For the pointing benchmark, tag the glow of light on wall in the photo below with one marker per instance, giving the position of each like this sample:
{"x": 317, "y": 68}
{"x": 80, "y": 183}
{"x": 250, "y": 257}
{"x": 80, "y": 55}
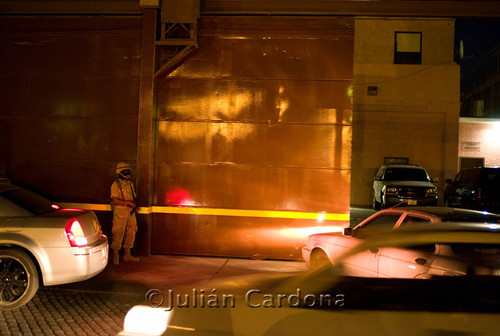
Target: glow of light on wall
{"x": 222, "y": 105}
{"x": 233, "y": 131}
{"x": 184, "y": 131}
{"x": 492, "y": 135}
{"x": 231, "y": 104}
{"x": 328, "y": 114}
{"x": 282, "y": 106}
{"x": 180, "y": 197}
{"x": 306, "y": 231}
{"x": 350, "y": 93}
{"x": 235, "y": 38}
{"x": 346, "y": 146}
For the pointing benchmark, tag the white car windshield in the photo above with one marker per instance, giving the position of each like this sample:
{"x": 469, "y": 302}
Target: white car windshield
{"x": 405, "y": 174}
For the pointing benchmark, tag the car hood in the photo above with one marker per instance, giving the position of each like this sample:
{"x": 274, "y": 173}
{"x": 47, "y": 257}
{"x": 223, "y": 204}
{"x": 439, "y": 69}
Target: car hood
{"x": 421, "y": 184}
{"x": 326, "y": 234}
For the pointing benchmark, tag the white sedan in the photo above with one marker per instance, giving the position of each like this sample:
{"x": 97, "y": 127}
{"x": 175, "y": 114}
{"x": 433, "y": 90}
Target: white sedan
{"x": 43, "y": 244}
{"x": 420, "y": 261}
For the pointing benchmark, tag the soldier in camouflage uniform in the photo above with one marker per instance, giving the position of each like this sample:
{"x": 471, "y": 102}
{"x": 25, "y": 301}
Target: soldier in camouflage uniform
{"x": 123, "y": 199}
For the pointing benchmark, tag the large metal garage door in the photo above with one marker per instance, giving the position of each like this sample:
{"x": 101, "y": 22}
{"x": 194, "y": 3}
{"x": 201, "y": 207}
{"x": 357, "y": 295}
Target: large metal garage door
{"x": 70, "y": 91}
{"x": 253, "y": 143}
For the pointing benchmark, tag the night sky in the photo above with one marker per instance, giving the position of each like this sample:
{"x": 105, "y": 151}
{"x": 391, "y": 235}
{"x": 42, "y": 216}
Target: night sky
{"x": 479, "y": 36}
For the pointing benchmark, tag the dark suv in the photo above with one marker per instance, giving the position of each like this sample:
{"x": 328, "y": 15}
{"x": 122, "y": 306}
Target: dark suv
{"x": 474, "y": 188}
{"x": 403, "y": 183}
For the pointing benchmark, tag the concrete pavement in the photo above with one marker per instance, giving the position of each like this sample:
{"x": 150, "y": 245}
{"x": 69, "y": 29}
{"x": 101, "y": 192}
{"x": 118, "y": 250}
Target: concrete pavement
{"x": 172, "y": 272}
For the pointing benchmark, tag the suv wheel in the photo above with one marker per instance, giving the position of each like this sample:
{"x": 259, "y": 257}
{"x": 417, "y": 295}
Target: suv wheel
{"x": 375, "y": 203}
{"x": 446, "y": 201}
{"x": 18, "y": 279}
{"x": 382, "y": 201}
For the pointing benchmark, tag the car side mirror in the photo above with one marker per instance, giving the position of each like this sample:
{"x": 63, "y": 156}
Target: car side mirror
{"x": 348, "y": 231}
{"x": 449, "y": 181}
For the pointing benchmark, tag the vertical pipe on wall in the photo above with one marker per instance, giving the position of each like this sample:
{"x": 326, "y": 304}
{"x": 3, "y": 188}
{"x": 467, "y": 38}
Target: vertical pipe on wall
{"x": 145, "y": 136}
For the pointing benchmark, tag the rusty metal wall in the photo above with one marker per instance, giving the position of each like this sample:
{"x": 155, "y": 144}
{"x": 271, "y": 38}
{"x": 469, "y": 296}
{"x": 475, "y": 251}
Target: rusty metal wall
{"x": 69, "y": 96}
{"x": 259, "y": 118}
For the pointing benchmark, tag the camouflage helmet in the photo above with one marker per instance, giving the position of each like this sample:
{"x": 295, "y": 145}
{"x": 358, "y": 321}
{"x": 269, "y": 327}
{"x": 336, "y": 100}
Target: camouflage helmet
{"x": 122, "y": 166}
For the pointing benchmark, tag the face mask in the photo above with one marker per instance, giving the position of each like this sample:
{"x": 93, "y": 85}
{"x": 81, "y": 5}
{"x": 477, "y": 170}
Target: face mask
{"x": 125, "y": 174}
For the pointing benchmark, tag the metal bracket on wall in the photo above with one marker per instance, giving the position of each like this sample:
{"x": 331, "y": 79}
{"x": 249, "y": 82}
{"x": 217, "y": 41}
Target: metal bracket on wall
{"x": 179, "y": 34}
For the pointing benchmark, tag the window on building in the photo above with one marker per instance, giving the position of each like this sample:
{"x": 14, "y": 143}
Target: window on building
{"x": 408, "y": 48}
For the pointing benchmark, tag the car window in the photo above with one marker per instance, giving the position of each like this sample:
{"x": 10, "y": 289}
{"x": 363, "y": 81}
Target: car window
{"x": 458, "y": 177}
{"x": 463, "y": 177}
{"x": 383, "y": 221}
{"x": 29, "y": 201}
{"x": 459, "y": 215}
{"x": 10, "y": 209}
{"x": 426, "y": 248}
{"x": 469, "y": 176}
{"x": 405, "y": 174}
{"x": 412, "y": 220}
{"x": 491, "y": 177}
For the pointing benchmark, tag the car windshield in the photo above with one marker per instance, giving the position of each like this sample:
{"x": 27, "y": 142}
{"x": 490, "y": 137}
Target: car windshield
{"x": 491, "y": 177}
{"x": 472, "y": 217}
{"x": 405, "y": 174}
{"x": 30, "y": 201}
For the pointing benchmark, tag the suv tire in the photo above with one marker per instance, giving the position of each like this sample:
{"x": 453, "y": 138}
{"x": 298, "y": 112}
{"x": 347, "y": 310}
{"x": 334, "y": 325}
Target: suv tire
{"x": 382, "y": 201}
{"x": 375, "y": 204}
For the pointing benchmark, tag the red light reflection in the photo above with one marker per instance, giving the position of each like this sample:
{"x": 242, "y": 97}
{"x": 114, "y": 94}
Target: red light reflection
{"x": 179, "y": 196}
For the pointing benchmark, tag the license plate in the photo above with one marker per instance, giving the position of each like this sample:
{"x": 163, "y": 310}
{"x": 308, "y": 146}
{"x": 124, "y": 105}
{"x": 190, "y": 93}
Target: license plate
{"x": 412, "y": 202}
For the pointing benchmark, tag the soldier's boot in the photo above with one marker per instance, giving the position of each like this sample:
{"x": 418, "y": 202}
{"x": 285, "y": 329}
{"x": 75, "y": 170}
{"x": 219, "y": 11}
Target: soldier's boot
{"x": 128, "y": 256}
{"x": 116, "y": 257}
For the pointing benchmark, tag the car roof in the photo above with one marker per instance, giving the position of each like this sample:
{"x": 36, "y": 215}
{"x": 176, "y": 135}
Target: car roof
{"x": 481, "y": 167}
{"x": 479, "y": 233}
{"x": 451, "y": 214}
{"x": 400, "y": 165}
{"x": 7, "y": 186}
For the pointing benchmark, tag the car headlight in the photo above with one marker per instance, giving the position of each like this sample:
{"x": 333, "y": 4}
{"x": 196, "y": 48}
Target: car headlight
{"x": 431, "y": 192}
{"x": 144, "y": 320}
{"x": 391, "y": 191}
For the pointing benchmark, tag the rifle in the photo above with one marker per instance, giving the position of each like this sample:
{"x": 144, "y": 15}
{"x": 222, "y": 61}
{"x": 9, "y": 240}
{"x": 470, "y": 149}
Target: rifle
{"x": 134, "y": 209}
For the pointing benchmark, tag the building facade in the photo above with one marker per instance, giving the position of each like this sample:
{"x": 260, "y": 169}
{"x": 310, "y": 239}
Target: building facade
{"x": 405, "y": 108}
{"x": 249, "y": 127}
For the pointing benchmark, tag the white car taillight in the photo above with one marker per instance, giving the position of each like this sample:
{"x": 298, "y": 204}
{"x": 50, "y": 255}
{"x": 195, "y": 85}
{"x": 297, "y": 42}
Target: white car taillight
{"x": 75, "y": 233}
